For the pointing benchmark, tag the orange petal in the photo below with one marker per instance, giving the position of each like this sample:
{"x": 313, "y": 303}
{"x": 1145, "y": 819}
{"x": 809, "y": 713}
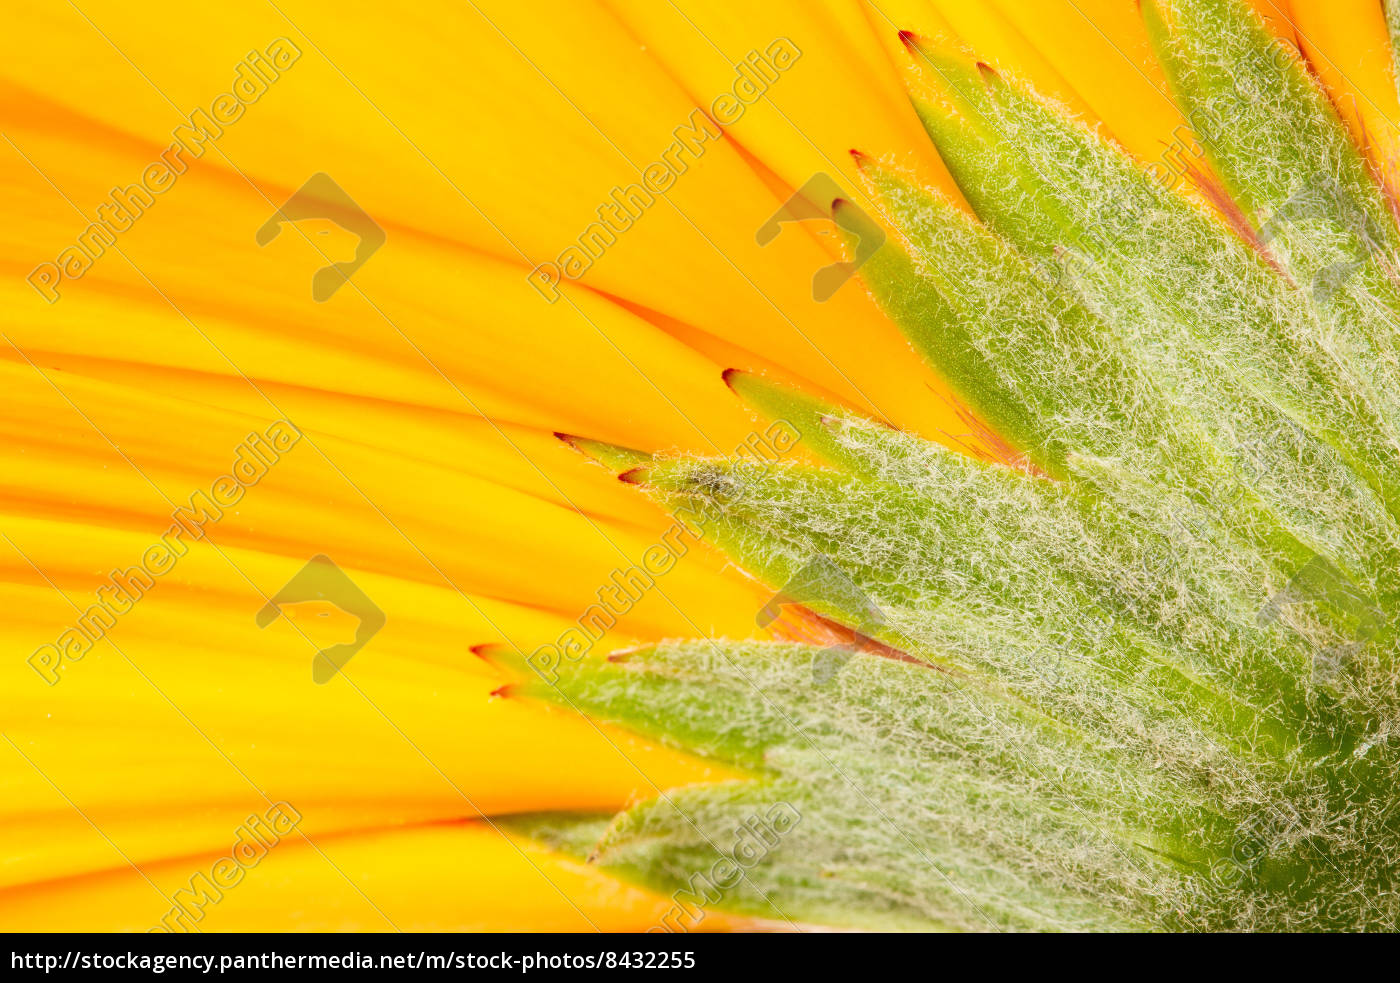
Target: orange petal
{"x": 462, "y": 877}
{"x": 1348, "y": 45}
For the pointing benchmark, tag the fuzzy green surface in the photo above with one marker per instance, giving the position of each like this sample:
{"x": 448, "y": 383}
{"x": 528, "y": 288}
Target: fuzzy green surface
{"x": 1153, "y": 676}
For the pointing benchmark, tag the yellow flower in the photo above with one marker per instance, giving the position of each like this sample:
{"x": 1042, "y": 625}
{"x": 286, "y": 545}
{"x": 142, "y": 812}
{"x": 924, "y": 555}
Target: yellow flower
{"x": 161, "y": 333}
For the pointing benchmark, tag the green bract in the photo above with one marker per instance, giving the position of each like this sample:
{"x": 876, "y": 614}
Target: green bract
{"x": 1140, "y": 674}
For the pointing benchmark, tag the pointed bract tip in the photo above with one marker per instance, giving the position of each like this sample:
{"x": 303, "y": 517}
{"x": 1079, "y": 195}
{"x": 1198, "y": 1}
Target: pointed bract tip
{"x": 483, "y": 650}
{"x": 635, "y": 476}
{"x": 502, "y": 691}
{"x": 731, "y": 374}
{"x": 988, "y": 73}
{"x": 496, "y": 655}
{"x": 909, "y": 39}
{"x": 568, "y": 438}
{"x": 861, "y": 159}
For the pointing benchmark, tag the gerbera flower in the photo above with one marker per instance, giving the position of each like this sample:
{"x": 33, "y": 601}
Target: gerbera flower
{"x": 1002, "y": 402}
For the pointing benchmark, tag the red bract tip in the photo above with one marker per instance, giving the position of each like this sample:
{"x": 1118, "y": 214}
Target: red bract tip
{"x": 623, "y": 655}
{"x": 635, "y": 476}
{"x": 502, "y": 691}
{"x": 861, "y": 159}
{"x": 481, "y": 649}
{"x": 909, "y": 39}
{"x": 987, "y": 71}
{"x": 728, "y": 376}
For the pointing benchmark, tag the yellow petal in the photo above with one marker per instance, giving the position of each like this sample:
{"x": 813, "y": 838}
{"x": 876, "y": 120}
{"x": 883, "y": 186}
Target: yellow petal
{"x": 1347, "y": 44}
{"x": 462, "y": 877}
{"x": 1101, "y": 49}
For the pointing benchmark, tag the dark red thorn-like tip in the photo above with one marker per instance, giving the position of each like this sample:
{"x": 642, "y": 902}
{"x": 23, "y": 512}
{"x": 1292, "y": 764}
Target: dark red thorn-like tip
{"x": 625, "y": 655}
{"x": 729, "y": 375}
{"x": 574, "y": 443}
{"x": 988, "y": 72}
{"x": 861, "y": 159}
{"x": 909, "y": 39}
{"x": 503, "y": 691}
{"x": 635, "y": 476}
{"x": 483, "y": 650}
